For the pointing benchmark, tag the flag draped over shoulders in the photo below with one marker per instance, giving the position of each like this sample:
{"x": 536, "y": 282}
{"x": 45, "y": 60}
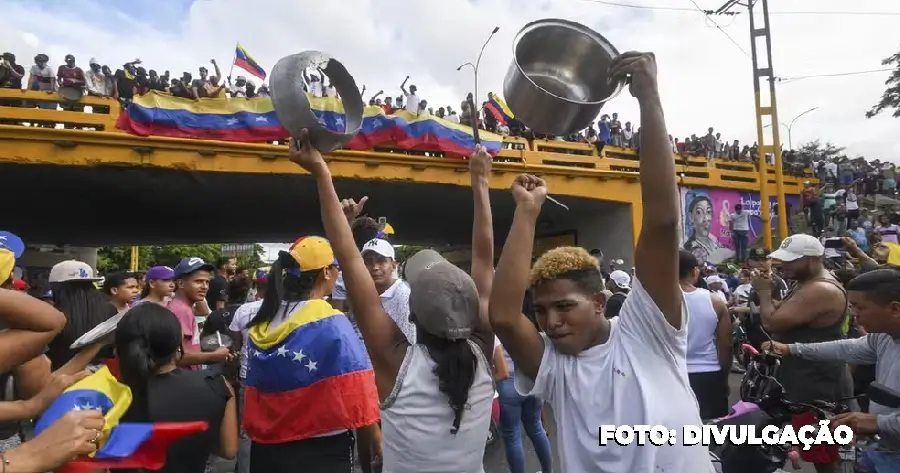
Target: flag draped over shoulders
{"x": 122, "y": 445}
{"x": 309, "y": 376}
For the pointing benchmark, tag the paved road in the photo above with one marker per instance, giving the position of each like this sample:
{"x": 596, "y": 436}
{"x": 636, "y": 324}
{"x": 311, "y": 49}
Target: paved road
{"x": 495, "y": 459}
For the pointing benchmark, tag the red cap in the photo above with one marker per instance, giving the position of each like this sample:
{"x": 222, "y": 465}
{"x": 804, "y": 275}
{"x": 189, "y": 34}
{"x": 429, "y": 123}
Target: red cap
{"x": 20, "y": 285}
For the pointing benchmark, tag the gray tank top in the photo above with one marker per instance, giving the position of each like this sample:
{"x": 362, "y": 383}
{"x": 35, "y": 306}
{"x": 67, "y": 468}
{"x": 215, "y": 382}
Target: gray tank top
{"x": 806, "y": 380}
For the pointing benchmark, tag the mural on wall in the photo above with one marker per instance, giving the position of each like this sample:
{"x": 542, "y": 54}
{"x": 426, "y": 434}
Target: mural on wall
{"x": 705, "y": 212}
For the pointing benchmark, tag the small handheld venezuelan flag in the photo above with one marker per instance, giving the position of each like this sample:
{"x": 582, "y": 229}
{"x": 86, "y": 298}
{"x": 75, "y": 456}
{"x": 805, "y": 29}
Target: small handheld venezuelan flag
{"x": 122, "y": 445}
{"x": 245, "y": 61}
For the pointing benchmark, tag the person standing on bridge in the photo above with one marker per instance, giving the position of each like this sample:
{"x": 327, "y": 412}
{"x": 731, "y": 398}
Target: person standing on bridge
{"x": 593, "y": 371}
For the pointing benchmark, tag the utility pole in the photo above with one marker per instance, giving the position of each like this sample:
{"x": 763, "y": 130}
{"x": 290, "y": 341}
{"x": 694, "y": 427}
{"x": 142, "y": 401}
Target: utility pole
{"x": 765, "y": 71}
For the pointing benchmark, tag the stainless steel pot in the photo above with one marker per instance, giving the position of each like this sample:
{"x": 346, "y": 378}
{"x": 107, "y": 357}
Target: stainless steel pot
{"x": 292, "y": 105}
{"x": 558, "y": 81}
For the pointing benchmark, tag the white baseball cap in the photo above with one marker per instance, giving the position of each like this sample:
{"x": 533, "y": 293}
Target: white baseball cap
{"x": 714, "y": 279}
{"x": 797, "y": 246}
{"x": 382, "y": 247}
{"x": 621, "y": 279}
{"x": 72, "y": 270}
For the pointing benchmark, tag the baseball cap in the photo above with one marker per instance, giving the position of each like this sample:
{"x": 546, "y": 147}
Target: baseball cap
{"x": 20, "y": 285}
{"x": 797, "y": 246}
{"x": 621, "y": 279}
{"x": 382, "y": 247}
{"x": 312, "y": 253}
{"x": 759, "y": 253}
{"x": 72, "y": 270}
{"x": 13, "y": 243}
{"x": 442, "y": 296}
{"x": 159, "y": 272}
{"x": 714, "y": 279}
{"x": 190, "y": 264}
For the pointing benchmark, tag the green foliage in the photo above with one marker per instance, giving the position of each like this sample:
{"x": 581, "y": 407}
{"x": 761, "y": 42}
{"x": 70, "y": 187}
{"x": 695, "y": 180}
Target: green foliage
{"x": 118, "y": 258}
{"x": 405, "y": 251}
{"x": 817, "y": 151}
{"x": 891, "y": 97}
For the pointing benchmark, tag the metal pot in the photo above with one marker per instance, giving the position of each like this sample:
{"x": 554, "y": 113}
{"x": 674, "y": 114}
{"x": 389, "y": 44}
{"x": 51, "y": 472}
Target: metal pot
{"x": 292, "y": 104}
{"x": 558, "y": 81}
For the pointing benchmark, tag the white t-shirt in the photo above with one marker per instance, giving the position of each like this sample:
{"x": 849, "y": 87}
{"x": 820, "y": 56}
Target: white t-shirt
{"x": 412, "y": 103}
{"x": 639, "y": 376}
{"x": 741, "y": 220}
{"x": 453, "y": 117}
{"x": 315, "y": 88}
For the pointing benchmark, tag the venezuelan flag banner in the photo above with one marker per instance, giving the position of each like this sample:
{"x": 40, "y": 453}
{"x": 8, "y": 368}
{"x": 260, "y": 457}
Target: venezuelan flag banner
{"x": 403, "y": 129}
{"x": 309, "y": 376}
{"x": 245, "y": 61}
{"x": 254, "y": 120}
{"x": 223, "y": 119}
{"x": 499, "y": 110}
{"x": 122, "y": 445}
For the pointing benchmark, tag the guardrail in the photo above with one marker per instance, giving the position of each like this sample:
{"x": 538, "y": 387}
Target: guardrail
{"x": 99, "y": 115}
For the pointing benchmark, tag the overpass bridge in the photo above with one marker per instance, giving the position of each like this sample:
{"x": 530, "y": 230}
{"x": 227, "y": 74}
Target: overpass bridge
{"x": 72, "y": 178}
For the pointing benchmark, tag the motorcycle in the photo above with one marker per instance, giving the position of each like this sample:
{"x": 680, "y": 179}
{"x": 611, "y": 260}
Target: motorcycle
{"x": 763, "y": 404}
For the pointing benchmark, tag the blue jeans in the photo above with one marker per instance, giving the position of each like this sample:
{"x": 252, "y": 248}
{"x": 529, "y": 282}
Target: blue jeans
{"x": 515, "y": 411}
{"x": 876, "y": 461}
{"x": 741, "y": 240}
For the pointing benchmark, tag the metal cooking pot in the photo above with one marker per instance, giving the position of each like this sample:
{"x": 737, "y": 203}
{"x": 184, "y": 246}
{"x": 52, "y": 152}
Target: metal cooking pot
{"x": 71, "y": 94}
{"x": 292, "y": 105}
{"x": 558, "y": 81}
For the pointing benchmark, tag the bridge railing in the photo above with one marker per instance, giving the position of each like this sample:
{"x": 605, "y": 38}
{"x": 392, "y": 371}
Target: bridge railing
{"x": 98, "y": 114}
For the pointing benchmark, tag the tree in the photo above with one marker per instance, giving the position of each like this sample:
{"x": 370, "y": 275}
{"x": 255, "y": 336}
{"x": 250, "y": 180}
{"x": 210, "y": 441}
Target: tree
{"x": 815, "y": 150}
{"x": 891, "y": 96}
{"x": 118, "y": 258}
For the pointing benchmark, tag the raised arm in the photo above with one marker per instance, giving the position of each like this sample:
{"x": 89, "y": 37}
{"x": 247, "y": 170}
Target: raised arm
{"x": 384, "y": 341}
{"x": 482, "y": 238}
{"x": 520, "y": 337}
{"x": 31, "y": 324}
{"x": 656, "y": 255}
{"x": 403, "y": 86}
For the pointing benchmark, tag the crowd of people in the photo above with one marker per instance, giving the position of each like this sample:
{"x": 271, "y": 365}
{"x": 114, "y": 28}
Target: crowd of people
{"x": 344, "y": 350}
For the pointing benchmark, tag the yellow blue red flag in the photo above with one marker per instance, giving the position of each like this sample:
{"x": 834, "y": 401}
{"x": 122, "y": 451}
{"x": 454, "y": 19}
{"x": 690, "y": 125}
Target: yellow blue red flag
{"x": 245, "y": 61}
{"x": 122, "y": 445}
{"x": 314, "y": 359}
{"x": 499, "y": 110}
{"x": 254, "y": 120}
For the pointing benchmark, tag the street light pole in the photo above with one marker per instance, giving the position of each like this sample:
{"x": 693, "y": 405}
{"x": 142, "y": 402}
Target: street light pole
{"x": 478, "y": 63}
{"x": 790, "y": 126}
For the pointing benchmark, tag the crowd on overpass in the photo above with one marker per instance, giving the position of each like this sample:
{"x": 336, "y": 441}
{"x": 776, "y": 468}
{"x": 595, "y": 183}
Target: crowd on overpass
{"x": 133, "y": 78}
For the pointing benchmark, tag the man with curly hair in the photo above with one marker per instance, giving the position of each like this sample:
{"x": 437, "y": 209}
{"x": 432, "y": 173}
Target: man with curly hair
{"x": 630, "y": 370}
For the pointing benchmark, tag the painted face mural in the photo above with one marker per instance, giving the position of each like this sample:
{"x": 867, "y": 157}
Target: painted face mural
{"x": 706, "y": 216}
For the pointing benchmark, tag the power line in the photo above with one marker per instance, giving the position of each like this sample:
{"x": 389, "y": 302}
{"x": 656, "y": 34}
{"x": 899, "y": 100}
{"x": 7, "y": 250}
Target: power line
{"x": 733, "y": 13}
{"x": 836, "y": 74}
{"x": 709, "y": 18}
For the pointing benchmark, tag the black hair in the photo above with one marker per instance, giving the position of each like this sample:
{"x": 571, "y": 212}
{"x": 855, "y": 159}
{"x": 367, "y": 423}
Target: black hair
{"x": 147, "y": 338}
{"x": 238, "y": 288}
{"x": 364, "y": 229}
{"x": 284, "y": 286}
{"x": 588, "y": 281}
{"x": 880, "y": 285}
{"x": 84, "y": 307}
{"x": 145, "y": 291}
{"x": 455, "y": 365}
{"x": 114, "y": 280}
{"x": 687, "y": 262}
{"x": 223, "y": 260}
